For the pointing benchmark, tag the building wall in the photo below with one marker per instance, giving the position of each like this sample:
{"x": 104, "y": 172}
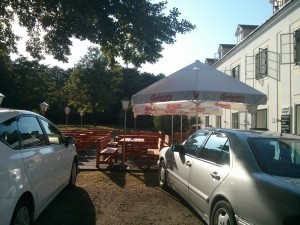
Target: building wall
{"x": 282, "y": 85}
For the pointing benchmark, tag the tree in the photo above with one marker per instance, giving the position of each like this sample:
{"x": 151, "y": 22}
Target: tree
{"x": 5, "y": 80}
{"x": 93, "y": 86}
{"x": 134, "y": 81}
{"x": 56, "y": 80}
{"x": 32, "y": 84}
{"x": 134, "y": 30}
{"x": 7, "y": 37}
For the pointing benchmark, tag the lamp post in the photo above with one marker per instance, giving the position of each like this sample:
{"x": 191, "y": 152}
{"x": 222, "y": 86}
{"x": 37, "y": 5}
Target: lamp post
{"x": 67, "y": 112}
{"x": 81, "y": 113}
{"x": 1, "y": 98}
{"x": 44, "y": 107}
{"x": 125, "y": 106}
{"x": 135, "y": 116}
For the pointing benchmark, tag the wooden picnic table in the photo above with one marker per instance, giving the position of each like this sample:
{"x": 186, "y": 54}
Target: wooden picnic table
{"x": 133, "y": 147}
{"x": 137, "y": 147}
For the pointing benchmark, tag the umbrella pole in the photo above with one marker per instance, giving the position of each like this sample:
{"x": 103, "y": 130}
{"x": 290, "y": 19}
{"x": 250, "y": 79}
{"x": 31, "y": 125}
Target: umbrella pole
{"x": 180, "y": 128}
{"x": 197, "y": 108}
{"x": 172, "y": 130}
{"x": 246, "y": 120}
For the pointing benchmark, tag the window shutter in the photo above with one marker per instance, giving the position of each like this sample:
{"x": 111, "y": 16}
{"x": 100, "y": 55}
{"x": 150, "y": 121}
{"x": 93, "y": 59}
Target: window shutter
{"x": 297, "y": 47}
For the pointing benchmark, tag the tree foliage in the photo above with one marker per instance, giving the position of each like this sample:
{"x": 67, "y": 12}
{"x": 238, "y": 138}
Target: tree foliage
{"x": 133, "y": 82}
{"x": 32, "y": 85}
{"x": 93, "y": 86}
{"x": 134, "y": 30}
{"x": 26, "y": 84}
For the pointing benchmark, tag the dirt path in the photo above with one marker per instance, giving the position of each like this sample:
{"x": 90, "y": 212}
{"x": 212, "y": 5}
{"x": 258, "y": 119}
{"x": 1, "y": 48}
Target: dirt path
{"x": 113, "y": 198}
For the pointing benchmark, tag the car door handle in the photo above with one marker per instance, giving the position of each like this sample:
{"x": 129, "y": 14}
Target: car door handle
{"x": 215, "y": 175}
{"x": 188, "y": 163}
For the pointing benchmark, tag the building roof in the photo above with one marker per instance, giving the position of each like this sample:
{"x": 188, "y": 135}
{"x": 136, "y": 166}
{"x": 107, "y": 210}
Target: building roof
{"x": 210, "y": 60}
{"x": 227, "y": 45}
{"x": 245, "y": 27}
{"x": 290, "y": 3}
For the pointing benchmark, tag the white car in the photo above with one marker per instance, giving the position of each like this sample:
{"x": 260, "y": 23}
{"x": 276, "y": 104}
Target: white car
{"x": 36, "y": 162}
{"x": 236, "y": 177}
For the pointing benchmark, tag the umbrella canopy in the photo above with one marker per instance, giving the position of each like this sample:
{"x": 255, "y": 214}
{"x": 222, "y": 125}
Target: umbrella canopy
{"x": 199, "y": 82}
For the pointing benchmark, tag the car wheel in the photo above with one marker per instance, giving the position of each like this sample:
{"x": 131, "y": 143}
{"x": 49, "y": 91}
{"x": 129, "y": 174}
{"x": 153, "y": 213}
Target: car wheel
{"x": 73, "y": 175}
{"x": 162, "y": 175}
{"x": 22, "y": 214}
{"x": 223, "y": 214}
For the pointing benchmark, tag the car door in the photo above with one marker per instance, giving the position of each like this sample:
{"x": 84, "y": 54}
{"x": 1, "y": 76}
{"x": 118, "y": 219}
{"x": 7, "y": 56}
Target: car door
{"x": 38, "y": 157}
{"x": 209, "y": 170}
{"x": 63, "y": 154}
{"x": 181, "y": 163}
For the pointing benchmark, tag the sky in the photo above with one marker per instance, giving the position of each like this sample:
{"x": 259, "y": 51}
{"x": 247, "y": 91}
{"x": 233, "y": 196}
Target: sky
{"x": 216, "y": 23}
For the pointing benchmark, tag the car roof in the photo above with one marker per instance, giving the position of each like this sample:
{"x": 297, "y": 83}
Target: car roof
{"x": 6, "y": 114}
{"x": 255, "y": 133}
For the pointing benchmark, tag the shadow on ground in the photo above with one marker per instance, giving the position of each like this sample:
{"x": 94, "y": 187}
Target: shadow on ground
{"x": 62, "y": 212}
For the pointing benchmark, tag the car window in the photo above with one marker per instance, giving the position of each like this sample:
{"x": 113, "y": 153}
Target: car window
{"x": 9, "y": 133}
{"x": 279, "y": 157}
{"x": 194, "y": 143}
{"x": 54, "y": 135}
{"x": 216, "y": 149}
{"x": 31, "y": 133}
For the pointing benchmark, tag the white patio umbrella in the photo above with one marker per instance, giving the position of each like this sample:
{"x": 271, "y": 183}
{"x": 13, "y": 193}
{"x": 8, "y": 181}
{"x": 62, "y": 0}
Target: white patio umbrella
{"x": 199, "y": 83}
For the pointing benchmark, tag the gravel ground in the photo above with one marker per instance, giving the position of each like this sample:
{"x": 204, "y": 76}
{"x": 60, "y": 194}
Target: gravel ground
{"x": 113, "y": 198}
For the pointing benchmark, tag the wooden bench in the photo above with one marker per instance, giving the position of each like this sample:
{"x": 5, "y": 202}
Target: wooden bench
{"x": 105, "y": 154}
{"x": 81, "y": 141}
{"x": 153, "y": 154}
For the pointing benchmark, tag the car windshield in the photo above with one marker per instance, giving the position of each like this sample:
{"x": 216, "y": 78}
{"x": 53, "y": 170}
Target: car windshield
{"x": 280, "y": 157}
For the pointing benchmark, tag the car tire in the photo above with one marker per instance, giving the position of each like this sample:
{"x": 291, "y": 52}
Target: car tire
{"x": 223, "y": 213}
{"x": 73, "y": 175}
{"x": 162, "y": 173}
{"x": 23, "y": 213}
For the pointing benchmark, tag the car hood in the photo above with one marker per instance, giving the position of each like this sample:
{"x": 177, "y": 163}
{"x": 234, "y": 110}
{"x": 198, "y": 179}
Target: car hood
{"x": 293, "y": 181}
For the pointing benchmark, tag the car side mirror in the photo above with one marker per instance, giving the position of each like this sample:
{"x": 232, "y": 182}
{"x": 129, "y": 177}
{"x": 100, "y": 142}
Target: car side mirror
{"x": 178, "y": 148}
{"x": 70, "y": 140}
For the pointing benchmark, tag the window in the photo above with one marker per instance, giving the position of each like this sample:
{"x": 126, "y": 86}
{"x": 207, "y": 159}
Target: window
{"x": 261, "y": 64}
{"x": 297, "y": 119}
{"x": 9, "y": 134}
{"x": 216, "y": 149}
{"x": 194, "y": 143}
{"x": 31, "y": 133}
{"x": 54, "y": 135}
{"x": 261, "y": 119}
{"x": 235, "y": 120}
{"x": 239, "y": 37}
{"x": 235, "y": 72}
{"x": 206, "y": 121}
{"x": 218, "y": 121}
{"x": 297, "y": 47}
{"x": 279, "y": 157}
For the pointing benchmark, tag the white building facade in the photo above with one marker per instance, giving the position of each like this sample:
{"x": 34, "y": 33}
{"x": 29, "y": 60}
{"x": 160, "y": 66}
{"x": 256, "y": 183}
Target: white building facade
{"x": 267, "y": 58}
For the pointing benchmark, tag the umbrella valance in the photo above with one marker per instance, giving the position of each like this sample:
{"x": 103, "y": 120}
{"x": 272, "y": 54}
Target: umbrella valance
{"x": 187, "y": 108}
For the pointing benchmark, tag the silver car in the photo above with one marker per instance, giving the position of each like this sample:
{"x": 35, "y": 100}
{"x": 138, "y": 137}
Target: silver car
{"x": 236, "y": 177}
{"x": 36, "y": 162}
